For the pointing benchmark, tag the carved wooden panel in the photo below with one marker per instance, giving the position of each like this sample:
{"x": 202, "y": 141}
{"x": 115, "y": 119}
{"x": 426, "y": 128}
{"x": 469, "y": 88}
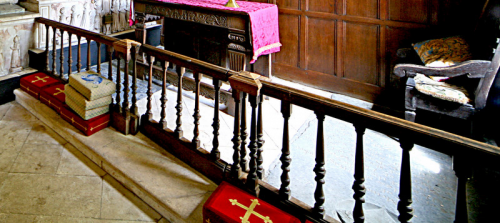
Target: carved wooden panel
{"x": 289, "y": 37}
{"x": 322, "y": 6}
{"x": 349, "y": 46}
{"x": 321, "y": 45}
{"x": 410, "y": 10}
{"x": 288, "y": 4}
{"x": 363, "y": 8}
{"x": 360, "y": 53}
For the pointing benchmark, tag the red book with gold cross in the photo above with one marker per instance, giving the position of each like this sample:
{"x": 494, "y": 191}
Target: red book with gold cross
{"x": 231, "y": 204}
{"x": 53, "y": 96}
{"x": 34, "y": 83}
{"x": 88, "y": 127}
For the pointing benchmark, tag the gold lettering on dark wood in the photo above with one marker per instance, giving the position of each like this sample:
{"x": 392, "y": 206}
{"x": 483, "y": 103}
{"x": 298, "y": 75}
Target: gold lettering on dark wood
{"x": 199, "y": 17}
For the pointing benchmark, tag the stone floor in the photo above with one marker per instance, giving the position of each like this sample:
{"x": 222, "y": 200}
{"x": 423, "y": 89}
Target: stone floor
{"x": 44, "y": 178}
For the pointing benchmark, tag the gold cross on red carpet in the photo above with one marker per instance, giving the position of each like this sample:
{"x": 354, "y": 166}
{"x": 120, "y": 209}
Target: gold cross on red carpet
{"x": 39, "y": 79}
{"x": 250, "y": 211}
{"x": 58, "y": 91}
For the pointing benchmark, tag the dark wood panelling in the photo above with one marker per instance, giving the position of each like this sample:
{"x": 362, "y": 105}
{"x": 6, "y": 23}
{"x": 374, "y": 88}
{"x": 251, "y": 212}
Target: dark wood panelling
{"x": 321, "y": 45}
{"x": 362, "y": 8}
{"x": 289, "y": 37}
{"x": 322, "y": 6}
{"x": 359, "y": 58}
{"x": 288, "y": 4}
{"x": 360, "y": 53}
{"x": 410, "y": 10}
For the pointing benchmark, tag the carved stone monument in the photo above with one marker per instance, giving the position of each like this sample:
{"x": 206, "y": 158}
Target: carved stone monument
{"x": 16, "y": 25}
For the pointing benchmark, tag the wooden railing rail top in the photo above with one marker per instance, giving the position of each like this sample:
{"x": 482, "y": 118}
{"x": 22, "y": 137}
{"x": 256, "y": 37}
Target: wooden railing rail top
{"x": 188, "y": 62}
{"x": 108, "y": 40}
{"x": 423, "y": 135}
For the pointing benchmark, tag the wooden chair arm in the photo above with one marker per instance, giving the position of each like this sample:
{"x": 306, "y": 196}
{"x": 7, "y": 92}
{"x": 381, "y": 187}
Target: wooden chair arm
{"x": 475, "y": 69}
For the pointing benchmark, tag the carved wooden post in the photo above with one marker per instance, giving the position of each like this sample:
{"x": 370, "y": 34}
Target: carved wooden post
{"x": 178, "y": 129}
{"x": 319, "y": 169}
{"x": 196, "y": 115}
{"x": 249, "y": 82}
{"x": 98, "y": 57}
{"x": 61, "y": 68}
{"x": 79, "y": 56}
{"x": 244, "y": 134}
{"x": 163, "y": 99}
{"x": 359, "y": 177}
{"x": 118, "y": 84}
{"x": 260, "y": 140}
{"x": 235, "y": 168}
{"x": 110, "y": 51}
{"x": 215, "y": 153}
{"x": 125, "y": 123}
{"x": 47, "y": 59}
{"x": 404, "y": 204}
{"x": 88, "y": 55}
{"x": 463, "y": 174}
{"x": 70, "y": 59}
{"x": 286, "y": 110}
{"x": 148, "y": 116}
{"x": 140, "y": 28}
{"x": 54, "y": 52}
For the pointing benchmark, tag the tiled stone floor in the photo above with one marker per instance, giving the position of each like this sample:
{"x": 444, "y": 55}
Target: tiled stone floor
{"x": 43, "y": 178}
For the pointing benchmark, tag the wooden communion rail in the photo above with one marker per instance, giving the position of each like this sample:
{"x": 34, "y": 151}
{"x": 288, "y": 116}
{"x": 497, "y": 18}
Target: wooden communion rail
{"x": 252, "y": 87}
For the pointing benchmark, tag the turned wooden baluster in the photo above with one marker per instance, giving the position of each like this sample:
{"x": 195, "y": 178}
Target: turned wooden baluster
{"x": 244, "y": 134}
{"x": 260, "y": 140}
{"x": 149, "y": 113}
{"x": 319, "y": 169}
{"x": 79, "y": 56}
{"x": 126, "y": 88}
{"x": 98, "y": 57}
{"x": 70, "y": 51}
{"x": 359, "y": 177}
{"x": 196, "y": 115}
{"x": 61, "y": 58}
{"x": 88, "y": 54}
{"x": 47, "y": 59}
{"x": 252, "y": 180}
{"x": 54, "y": 52}
{"x": 178, "y": 129}
{"x": 118, "y": 83}
{"x": 286, "y": 110}
{"x": 215, "y": 153}
{"x": 110, "y": 50}
{"x": 235, "y": 168}
{"x": 404, "y": 204}
{"x": 134, "y": 108}
{"x": 463, "y": 173}
{"x": 163, "y": 99}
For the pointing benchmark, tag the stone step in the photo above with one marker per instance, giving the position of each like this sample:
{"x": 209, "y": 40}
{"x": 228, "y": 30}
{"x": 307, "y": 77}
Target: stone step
{"x": 6, "y": 9}
{"x": 169, "y": 186}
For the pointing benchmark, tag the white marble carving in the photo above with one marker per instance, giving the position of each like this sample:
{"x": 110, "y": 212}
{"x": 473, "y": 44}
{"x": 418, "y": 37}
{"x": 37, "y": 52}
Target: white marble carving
{"x": 75, "y": 16}
{"x": 84, "y": 23}
{"x": 15, "y": 61}
{"x": 123, "y": 15}
{"x": 115, "y": 11}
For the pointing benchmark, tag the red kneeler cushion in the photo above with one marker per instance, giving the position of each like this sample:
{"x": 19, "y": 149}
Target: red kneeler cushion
{"x": 53, "y": 96}
{"x": 231, "y": 204}
{"x": 34, "y": 83}
{"x": 87, "y": 127}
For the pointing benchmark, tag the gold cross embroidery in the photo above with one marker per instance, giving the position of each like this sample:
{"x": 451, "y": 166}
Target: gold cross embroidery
{"x": 40, "y": 79}
{"x": 58, "y": 91}
{"x": 250, "y": 211}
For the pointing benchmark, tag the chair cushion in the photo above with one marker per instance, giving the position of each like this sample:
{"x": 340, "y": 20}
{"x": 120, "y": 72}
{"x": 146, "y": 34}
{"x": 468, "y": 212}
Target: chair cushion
{"x": 443, "y": 52}
{"x": 441, "y": 90}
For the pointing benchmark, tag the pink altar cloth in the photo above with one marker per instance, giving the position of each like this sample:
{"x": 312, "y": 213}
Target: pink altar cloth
{"x": 263, "y": 20}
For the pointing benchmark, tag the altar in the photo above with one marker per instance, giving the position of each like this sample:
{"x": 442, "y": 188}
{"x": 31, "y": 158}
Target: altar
{"x": 237, "y": 38}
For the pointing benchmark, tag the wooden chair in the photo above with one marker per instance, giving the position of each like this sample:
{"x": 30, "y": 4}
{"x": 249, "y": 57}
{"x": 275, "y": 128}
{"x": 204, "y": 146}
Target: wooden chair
{"x": 482, "y": 72}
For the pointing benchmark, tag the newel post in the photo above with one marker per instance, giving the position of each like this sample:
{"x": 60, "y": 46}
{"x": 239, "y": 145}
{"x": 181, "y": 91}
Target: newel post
{"x": 249, "y": 83}
{"x": 124, "y": 120}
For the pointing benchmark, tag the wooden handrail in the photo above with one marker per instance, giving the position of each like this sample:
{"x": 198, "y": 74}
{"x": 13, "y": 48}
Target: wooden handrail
{"x": 108, "y": 40}
{"x": 449, "y": 143}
